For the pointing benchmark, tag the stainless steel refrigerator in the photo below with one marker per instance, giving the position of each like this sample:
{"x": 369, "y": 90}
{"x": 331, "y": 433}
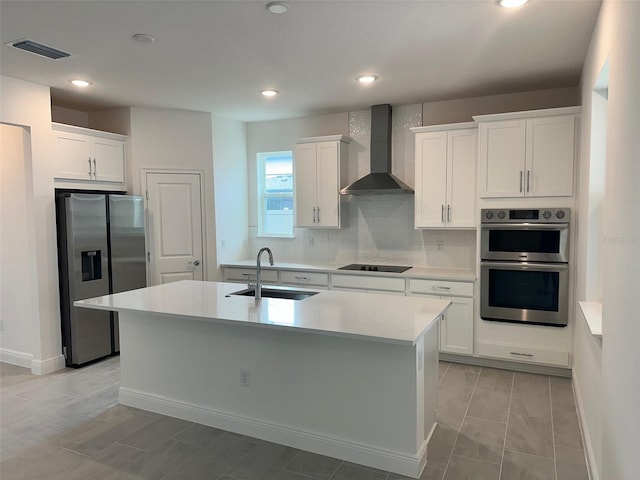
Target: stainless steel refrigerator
{"x": 101, "y": 250}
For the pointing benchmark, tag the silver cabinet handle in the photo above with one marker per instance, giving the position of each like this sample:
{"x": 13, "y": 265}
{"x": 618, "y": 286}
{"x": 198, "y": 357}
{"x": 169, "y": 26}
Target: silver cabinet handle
{"x": 95, "y": 170}
{"x": 249, "y": 275}
{"x": 448, "y": 213}
{"x": 521, "y": 354}
{"x": 520, "y": 180}
{"x": 314, "y": 214}
{"x": 301, "y": 278}
{"x": 442, "y": 213}
{"x": 437, "y": 287}
{"x": 318, "y": 214}
{"x": 528, "y": 175}
{"x": 89, "y": 160}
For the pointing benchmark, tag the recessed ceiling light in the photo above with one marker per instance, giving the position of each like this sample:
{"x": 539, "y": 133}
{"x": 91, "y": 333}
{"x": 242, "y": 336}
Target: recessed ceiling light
{"x": 511, "y": 3}
{"x": 366, "y": 78}
{"x": 80, "y": 83}
{"x": 277, "y": 7}
{"x": 269, "y": 92}
{"x": 143, "y": 38}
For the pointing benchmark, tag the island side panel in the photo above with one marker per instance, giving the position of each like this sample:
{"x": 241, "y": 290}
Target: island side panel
{"x": 348, "y": 398}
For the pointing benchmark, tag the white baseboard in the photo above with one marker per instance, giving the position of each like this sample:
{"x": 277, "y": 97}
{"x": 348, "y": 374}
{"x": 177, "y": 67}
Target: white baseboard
{"x": 584, "y": 431}
{"x": 14, "y": 357}
{"x": 49, "y": 365}
{"x": 403, "y": 464}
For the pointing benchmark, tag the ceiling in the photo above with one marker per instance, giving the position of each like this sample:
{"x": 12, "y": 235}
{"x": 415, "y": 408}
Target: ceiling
{"x": 215, "y": 56}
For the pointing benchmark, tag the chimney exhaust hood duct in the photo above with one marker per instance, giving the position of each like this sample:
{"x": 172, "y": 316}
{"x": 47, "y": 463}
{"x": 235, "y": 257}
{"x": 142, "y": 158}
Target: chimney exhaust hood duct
{"x": 380, "y": 180}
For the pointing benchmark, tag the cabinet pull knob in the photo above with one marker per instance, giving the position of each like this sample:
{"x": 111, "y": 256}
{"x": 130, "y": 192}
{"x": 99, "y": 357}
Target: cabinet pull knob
{"x": 528, "y": 175}
{"x": 521, "y": 181}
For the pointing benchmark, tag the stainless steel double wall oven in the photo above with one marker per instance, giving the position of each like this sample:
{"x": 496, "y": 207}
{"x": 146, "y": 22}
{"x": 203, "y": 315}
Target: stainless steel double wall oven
{"x": 524, "y": 268}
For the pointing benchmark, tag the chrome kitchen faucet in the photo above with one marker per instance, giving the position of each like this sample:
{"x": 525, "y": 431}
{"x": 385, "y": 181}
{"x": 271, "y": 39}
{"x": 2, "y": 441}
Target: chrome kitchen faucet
{"x": 258, "y": 282}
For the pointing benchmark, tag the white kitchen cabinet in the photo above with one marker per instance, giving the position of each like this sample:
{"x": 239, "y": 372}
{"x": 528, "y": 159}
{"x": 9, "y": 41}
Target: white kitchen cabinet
{"x": 365, "y": 283}
{"x": 302, "y": 278}
{"x": 88, "y": 155}
{"x": 445, "y": 173}
{"x": 456, "y": 325}
{"x": 527, "y": 154}
{"x": 320, "y": 171}
{"x": 248, "y": 275}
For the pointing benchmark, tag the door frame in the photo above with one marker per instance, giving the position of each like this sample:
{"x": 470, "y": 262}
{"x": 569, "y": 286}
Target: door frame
{"x": 203, "y": 217}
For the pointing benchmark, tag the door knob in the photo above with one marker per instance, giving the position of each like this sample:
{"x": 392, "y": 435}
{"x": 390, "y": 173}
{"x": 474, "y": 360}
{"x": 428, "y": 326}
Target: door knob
{"x": 196, "y": 262}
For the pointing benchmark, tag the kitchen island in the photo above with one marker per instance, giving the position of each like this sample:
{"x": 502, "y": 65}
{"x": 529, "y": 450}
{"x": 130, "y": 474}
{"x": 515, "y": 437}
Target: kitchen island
{"x": 348, "y": 375}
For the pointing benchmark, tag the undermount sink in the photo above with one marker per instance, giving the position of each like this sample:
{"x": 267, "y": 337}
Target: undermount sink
{"x": 276, "y": 293}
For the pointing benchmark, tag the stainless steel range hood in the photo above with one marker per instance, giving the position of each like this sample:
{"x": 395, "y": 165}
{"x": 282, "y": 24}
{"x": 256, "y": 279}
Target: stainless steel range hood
{"x": 380, "y": 180}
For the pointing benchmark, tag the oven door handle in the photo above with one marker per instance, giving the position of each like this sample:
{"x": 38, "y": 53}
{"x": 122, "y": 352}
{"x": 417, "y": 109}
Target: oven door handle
{"x": 524, "y": 226}
{"x": 523, "y": 266}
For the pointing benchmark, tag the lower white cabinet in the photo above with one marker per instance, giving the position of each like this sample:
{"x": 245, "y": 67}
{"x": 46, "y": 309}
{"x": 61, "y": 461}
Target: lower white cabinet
{"x": 248, "y": 275}
{"x": 304, "y": 278}
{"x": 456, "y": 325}
{"x": 524, "y": 353}
{"x": 364, "y": 283}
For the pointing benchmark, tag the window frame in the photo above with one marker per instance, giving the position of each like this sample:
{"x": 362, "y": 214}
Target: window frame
{"x": 263, "y": 196}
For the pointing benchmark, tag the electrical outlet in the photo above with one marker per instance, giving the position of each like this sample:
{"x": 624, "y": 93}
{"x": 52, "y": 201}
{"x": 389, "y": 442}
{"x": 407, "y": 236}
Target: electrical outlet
{"x": 245, "y": 378}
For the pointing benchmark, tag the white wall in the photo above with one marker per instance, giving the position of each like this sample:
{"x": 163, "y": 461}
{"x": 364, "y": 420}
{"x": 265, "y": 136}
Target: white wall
{"x": 176, "y": 139}
{"x": 29, "y": 105}
{"x": 231, "y": 187}
{"x": 69, "y": 116}
{"x": 614, "y": 402}
{"x": 17, "y": 304}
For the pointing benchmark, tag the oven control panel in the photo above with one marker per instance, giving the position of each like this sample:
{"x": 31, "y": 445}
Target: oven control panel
{"x": 529, "y": 215}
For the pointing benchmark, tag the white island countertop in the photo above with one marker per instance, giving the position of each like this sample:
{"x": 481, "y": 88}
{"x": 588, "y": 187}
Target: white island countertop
{"x": 368, "y": 316}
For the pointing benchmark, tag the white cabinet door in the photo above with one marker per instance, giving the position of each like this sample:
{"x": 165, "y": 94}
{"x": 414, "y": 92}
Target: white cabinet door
{"x": 461, "y": 178}
{"x": 327, "y": 187}
{"x": 88, "y": 155}
{"x": 72, "y": 154}
{"x": 446, "y": 178}
{"x": 320, "y": 170}
{"x": 431, "y": 180}
{"x": 549, "y": 156}
{"x": 109, "y": 160}
{"x": 456, "y": 327}
{"x": 502, "y": 153}
{"x": 305, "y": 179}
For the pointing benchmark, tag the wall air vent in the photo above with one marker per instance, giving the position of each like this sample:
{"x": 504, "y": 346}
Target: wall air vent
{"x": 39, "y": 49}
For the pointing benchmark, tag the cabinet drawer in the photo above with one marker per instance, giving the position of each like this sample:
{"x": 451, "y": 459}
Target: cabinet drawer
{"x": 249, "y": 275}
{"x": 441, "y": 287}
{"x": 290, "y": 277}
{"x": 362, "y": 282}
{"x": 521, "y": 353}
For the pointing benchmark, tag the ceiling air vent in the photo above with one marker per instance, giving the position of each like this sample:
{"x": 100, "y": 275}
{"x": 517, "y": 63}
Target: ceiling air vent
{"x": 39, "y": 49}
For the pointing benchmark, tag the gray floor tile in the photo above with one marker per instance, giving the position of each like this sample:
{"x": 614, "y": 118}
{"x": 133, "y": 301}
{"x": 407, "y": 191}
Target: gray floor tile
{"x": 441, "y": 445}
{"x": 264, "y": 462}
{"x": 527, "y": 434}
{"x": 489, "y": 404}
{"x": 562, "y": 397}
{"x": 566, "y": 429}
{"x": 555, "y": 380}
{"x": 520, "y": 466}
{"x": 199, "y": 435}
{"x": 571, "y": 464}
{"x": 214, "y": 460}
{"x": 454, "y": 395}
{"x": 348, "y": 471}
{"x": 495, "y": 379}
{"x": 314, "y": 465}
{"x": 481, "y": 439}
{"x": 463, "y": 367}
{"x": 155, "y": 433}
{"x": 462, "y": 468}
{"x": 155, "y": 464}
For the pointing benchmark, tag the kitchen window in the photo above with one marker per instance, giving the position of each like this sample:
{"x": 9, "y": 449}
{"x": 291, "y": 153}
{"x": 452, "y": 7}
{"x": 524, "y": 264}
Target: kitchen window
{"x": 275, "y": 194}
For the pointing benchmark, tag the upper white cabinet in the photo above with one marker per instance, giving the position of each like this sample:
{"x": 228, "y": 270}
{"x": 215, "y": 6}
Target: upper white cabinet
{"x": 320, "y": 170}
{"x": 445, "y": 190}
{"x": 88, "y": 155}
{"x": 527, "y": 153}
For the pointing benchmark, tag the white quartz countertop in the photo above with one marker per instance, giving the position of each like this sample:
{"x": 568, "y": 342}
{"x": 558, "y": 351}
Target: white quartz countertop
{"x": 369, "y": 316}
{"x": 435, "y": 273}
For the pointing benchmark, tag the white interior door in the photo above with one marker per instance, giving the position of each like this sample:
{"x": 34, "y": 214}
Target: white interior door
{"x": 174, "y": 215}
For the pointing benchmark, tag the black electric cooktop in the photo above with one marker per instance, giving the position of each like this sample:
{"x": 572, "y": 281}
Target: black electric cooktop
{"x": 375, "y": 268}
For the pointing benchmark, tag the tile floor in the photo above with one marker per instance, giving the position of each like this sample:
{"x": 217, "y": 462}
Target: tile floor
{"x": 493, "y": 424}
